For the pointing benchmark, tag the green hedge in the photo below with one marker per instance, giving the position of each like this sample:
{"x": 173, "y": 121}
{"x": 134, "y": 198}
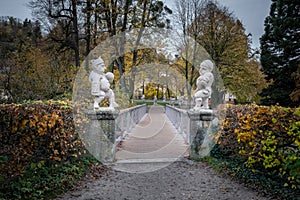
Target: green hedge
{"x": 266, "y": 139}
{"x": 39, "y": 150}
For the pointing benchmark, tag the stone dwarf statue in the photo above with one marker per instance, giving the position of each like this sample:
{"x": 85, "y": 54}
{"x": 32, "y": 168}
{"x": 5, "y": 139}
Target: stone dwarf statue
{"x": 101, "y": 84}
{"x": 204, "y": 83}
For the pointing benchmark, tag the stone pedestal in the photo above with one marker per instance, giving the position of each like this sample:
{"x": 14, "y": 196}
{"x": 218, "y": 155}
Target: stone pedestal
{"x": 102, "y": 134}
{"x": 199, "y": 122}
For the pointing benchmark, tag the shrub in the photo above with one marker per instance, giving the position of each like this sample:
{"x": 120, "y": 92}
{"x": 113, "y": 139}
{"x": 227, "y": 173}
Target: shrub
{"x": 265, "y": 139}
{"x": 39, "y": 148}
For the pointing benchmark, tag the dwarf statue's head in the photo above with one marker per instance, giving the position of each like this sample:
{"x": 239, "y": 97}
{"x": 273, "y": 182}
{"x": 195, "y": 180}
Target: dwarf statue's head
{"x": 206, "y": 66}
{"x": 98, "y": 65}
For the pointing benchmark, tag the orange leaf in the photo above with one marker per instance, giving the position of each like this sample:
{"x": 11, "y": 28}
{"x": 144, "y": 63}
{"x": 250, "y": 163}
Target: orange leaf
{"x": 57, "y": 158}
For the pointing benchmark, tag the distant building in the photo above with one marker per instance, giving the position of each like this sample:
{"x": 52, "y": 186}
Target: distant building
{"x": 4, "y": 97}
{"x": 230, "y": 98}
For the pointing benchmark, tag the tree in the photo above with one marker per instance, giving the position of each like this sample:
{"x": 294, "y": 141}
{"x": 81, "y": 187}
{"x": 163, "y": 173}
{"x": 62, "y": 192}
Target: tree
{"x": 132, "y": 16}
{"x": 62, "y": 13}
{"x": 152, "y": 14}
{"x": 81, "y": 25}
{"x": 18, "y": 43}
{"x": 223, "y": 37}
{"x": 30, "y": 66}
{"x": 295, "y": 95}
{"x": 187, "y": 11}
{"x": 280, "y": 53}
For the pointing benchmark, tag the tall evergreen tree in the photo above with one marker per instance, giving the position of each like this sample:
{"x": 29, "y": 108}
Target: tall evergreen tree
{"x": 280, "y": 52}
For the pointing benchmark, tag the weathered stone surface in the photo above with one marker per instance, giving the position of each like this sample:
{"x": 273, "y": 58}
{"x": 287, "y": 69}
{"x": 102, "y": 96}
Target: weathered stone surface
{"x": 199, "y": 122}
{"x": 102, "y": 115}
{"x": 102, "y": 134}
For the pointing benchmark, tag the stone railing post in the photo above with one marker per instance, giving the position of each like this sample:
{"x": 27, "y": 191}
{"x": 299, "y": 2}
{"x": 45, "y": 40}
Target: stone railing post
{"x": 105, "y": 127}
{"x": 103, "y": 134}
{"x": 198, "y": 125}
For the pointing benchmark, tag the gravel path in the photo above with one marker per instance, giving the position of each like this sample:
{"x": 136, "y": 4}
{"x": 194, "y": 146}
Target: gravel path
{"x": 180, "y": 180}
{"x": 147, "y": 153}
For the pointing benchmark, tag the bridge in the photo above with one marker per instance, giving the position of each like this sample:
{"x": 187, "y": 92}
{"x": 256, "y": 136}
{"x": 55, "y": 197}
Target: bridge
{"x": 144, "y": 138}
{"x": 153, "y": 140}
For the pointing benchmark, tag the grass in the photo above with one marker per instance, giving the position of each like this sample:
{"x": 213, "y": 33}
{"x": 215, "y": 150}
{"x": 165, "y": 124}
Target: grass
{"x": 161, "y": 103}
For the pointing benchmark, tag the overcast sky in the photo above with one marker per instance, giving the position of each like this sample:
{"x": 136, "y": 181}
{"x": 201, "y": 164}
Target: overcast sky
{"x": 252, "y": 13}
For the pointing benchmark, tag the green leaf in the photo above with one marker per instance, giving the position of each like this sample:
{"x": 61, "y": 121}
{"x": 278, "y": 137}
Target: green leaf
{"x": 274, "y": 120}
{"x": 3, "y": 158}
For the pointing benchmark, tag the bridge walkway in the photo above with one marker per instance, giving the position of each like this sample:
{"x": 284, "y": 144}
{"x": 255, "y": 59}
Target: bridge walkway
{"x": 154, "y": 139}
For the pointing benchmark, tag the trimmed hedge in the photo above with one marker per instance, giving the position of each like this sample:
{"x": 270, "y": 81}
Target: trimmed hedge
{"x": 39, "y": 148}
{"x": 266, "y": 139}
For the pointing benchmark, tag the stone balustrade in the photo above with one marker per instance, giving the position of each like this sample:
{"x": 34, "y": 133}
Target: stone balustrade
{"x": 194, "y": 126}
{"x": 107, "y": 127}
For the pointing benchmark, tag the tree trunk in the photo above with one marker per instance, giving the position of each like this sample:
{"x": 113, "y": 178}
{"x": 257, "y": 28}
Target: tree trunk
{"x": 75, "y": 33}
{"x": 135, "y": 51}
{"x": 88, "y": 33}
